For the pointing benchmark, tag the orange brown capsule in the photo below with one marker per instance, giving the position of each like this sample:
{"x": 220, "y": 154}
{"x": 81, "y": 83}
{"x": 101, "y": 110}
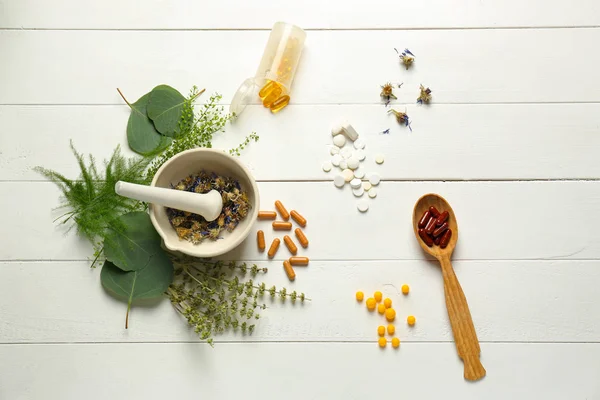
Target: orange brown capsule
{"x": 430, "y": 227}
{"x": 298, "y": 218}
{"x": 267, "y": 215}
{"x": 437, "y": 240}
{"x": 446, "y": 238}
{"x": 282, "y": 226}
{"x": 301, "y": 237}
{"x": 289, "y": 270}
{"x": 425, "y": 237}
{"x": 289, "y": 243}
{"x": 299, "y": 260}
{"x": 440, "y": 229}
{"x": 424, "y": 219}
{"x": 260, "y": 239}
{"x": 282, "y": 211}
{"x": 442, "y": 218}
{"x": 273, "y": 248}
{"x": 434, "y": 212}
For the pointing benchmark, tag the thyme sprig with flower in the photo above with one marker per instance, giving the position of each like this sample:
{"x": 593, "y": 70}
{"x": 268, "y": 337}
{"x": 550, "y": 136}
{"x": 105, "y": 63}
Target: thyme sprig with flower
{"x": 213, "y": 298}
{"x": 405, "y": 58}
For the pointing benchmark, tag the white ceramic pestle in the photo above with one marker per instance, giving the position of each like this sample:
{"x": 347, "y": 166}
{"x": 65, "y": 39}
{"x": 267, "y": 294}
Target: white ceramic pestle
{"x": 209, "y": 205}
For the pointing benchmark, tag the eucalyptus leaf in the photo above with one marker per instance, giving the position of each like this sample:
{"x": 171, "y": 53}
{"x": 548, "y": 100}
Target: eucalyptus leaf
{"x": 142, "y": 136}
{"x": 164, "y": 108}
{"x": 151, "y": 281}
{"x": 132, "y": 242}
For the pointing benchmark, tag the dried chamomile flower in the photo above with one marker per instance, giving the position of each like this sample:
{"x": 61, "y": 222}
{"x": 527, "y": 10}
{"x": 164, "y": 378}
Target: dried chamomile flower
{"x": 387, "y": 92}
{"x": 425, "y": 96}
{"x": 405, "y": 58}
{"x": 402, "y": 118}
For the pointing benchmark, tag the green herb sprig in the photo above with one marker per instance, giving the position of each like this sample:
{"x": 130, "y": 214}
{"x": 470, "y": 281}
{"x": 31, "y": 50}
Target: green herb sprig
{"x": 213, "y": 298}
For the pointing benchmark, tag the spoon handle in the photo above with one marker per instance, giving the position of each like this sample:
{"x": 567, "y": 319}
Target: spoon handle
{"x": 463, "y": 330}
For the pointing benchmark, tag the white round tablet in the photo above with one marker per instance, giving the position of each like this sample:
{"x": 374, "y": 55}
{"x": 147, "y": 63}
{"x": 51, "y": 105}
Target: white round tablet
{"x": 339, "y": 140}
{"x": 355, "y": 183}
{"x": 343, "y": 164}
{"x": 353, "y": 163}
{"x": 358, "y": 191}
{"x": 362, "y": 206}
{"x": 372, "y": 193}
{"x": 337, "y": 130}
{"x": 339, "y": 181}
{"x": 327, "y": 166}
{"x": 346, "y": 152}
{"x": 379, "y": 158}
{"x": 374, "y": 179}
{"x": 360, "y": 154}
{"x": 359, "y": 173}
{"x": 335, "y": 160}
{"x": 334, "y": 150}
{"x": 359, "y": 144}
{"x": 348, "y": 175}
{"x": 367, "y": 185}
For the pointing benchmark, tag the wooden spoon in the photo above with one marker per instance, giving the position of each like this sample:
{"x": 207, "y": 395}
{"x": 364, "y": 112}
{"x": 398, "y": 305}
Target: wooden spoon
{"x": 463, "y": 330}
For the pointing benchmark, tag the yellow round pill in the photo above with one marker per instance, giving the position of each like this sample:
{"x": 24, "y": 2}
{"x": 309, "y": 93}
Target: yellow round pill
{"x": 411, "y": 320}
{"x": 387, "y": 302}
{"x": 395, "y": 342}
{"x": 371, "y": 303}
{"x": 391, "y": 329}
{"x": 381, "y": 308}
{"x": 381, "y": 330}
{"x": 382, "y": 342}
{"x": 405, "y": 289}
{"x": 378, "y": 296}
{"x": 390, "y": 314}
{"x": 360, "y": 296}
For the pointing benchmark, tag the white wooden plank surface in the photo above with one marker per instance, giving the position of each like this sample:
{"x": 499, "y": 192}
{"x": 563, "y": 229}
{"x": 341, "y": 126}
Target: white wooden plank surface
{"x": 313, "y": 14}
{"x": 497, "y": 141}
{"x": 511, "y": 301}
{"x": 339, "y": 67}
{"x": 497, "y": 220}
{"x": 295, "y": 371}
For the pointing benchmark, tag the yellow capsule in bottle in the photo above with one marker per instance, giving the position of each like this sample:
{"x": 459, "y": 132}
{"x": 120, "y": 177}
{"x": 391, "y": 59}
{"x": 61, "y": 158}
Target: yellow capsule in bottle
{"x": 280, "y": 103}
{"x": 272, "y": 96}
{"x": 267, "y": 89}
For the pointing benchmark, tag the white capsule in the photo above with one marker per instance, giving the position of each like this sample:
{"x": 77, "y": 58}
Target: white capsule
{"x": 359, "y": 154}
{"x": 337, "y": 130}
{"x": 359, "y": 173}
{"x": 339, "y": 181}
{"x": 358, "y": 191}
{"x": 359, "y": 144}
{"x": 339, "y": 140}
{"x": 334, "y": 150}
{"x": 355, "y": 183}
{"x": 326, "y": 166}
{"x": 348, "y": 175}
{"x": 374, "y": 179}
{"x": 335, "y": 160}
{"x": 350, "y": 131}
{"x": 346, "y": 152}
{"x": 353, "y": 163}
{"x": 367, "y": 185}
{"x": 379, "y": 158}
{"x": 362, "y": 206}
{"x": 343, "y": 164}
{"x": 372, "y": 193}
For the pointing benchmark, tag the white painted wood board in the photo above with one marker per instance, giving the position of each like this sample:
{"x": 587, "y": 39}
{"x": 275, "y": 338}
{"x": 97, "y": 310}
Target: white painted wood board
{"x": 558, "y": 221}
{"x": 295, "y": 371}
{"x": 310, "y": 14}
{"x": 339, "y": 67}
{"x": 450, "y": 142}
